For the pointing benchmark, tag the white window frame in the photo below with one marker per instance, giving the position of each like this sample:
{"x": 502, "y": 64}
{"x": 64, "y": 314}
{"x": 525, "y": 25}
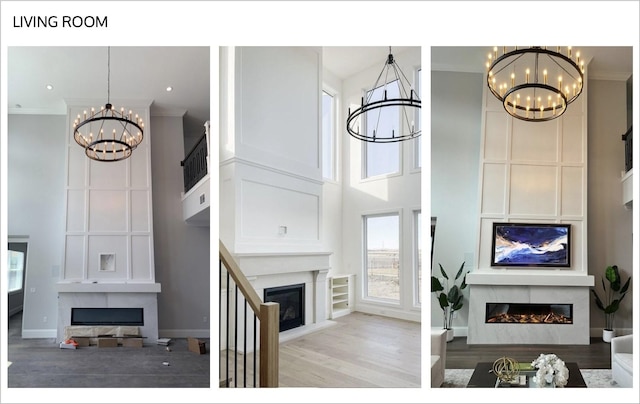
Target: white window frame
{"x": 334, "y": 135}
{"x": 417, "y": 160}
{"x": 365, "y": 154}
{"x": 365, "y": 266}
{"x": 417, "y": 259}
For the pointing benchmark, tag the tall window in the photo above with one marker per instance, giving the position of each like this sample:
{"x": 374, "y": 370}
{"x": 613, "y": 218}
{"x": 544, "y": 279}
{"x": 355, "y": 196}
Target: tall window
{"x": 382, "y": 158}
{"x": 328, "y": 137}
{"x": 417, "y": 255}
{"x": 15, "y": 263}
{"x": 382, "y": 266}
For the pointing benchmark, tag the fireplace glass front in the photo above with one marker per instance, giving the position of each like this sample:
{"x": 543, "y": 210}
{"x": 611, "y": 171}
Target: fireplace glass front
{"x": 291, "y": 300}
{"x": 529, "y": 313}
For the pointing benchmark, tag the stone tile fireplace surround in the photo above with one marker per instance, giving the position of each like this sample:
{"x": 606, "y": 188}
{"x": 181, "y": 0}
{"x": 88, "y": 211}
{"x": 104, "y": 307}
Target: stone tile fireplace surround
{"x": 526, "y": 286}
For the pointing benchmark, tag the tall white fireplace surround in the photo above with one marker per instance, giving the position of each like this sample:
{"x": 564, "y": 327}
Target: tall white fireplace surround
{"x": 269, "y": 270}
{"x": 532, "y": 172}
{"x": 108, "y": 257}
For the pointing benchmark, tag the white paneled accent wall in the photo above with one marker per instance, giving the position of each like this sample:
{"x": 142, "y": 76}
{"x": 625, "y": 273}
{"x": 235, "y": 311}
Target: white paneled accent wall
{"x": 108, "y": 211}
{"x": 534, "y": 172}
{"x": 270, "y": 174}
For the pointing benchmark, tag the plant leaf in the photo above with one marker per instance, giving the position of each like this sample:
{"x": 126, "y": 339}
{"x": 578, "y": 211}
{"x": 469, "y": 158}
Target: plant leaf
{"x": 442, "y": 299}
{"x": 598, "y": 301}
{"x": 436, "y": 286}
{"x": 626, "y": 286}
{"x": 613, "y": 276}
{"x": 444, "y": 273}
{"x": 613, "y": 307}
{"x": 453, "y": 294}
{"x": 460, "y": 271}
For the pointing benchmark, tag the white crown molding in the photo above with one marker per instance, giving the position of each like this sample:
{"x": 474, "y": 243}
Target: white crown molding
{"x": 170, "y": 112}
{"x": 613, "y": 76}
{"x": 443, "y": 67}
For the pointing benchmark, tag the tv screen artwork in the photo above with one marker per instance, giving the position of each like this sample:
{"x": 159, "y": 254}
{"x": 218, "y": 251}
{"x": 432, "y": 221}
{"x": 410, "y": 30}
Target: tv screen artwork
{"x": 531, "y": 245}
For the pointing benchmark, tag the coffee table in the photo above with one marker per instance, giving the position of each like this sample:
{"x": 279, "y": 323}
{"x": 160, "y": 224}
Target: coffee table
{"x": 483, "y": 377}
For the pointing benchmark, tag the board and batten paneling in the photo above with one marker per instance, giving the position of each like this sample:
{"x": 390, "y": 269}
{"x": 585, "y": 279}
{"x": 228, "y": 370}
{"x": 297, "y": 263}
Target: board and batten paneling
{"x": 108, "y": 211}
{"x": 533, "y": 172}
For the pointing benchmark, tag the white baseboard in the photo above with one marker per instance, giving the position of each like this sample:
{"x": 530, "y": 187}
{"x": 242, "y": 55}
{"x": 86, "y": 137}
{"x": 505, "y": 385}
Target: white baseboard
{"x": 389, "y": 312}
{"x": 196, "y": 333}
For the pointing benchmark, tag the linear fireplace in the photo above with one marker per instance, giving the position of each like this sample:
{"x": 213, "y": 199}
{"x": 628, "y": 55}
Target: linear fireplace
{"x": 529, "y": 313}
{"x": 107, "y": 316}
{"x": 291, "y": 300}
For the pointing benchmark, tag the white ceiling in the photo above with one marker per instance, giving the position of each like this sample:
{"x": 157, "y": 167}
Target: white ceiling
{"x": 137, "y": 73}
{"x": 143, "y": 73}
{"x": 344, "y": 61}
{"x": 612, "y": 62}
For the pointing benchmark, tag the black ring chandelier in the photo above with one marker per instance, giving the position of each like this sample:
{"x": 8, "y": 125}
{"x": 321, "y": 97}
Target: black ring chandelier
{"x": 536, "y": 83}
{"x": 108, "y": 134}
{"x": 391, "y": 92}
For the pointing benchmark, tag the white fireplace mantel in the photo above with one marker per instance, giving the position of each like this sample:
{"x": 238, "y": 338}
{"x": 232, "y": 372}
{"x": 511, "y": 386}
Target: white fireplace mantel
{"x": 550, "y": 277}
{"x": 257, "y": 264}
{"x": 106, "y": 287}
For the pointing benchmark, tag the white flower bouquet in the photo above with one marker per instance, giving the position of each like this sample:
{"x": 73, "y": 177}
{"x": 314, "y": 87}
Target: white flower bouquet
{"x": 551, "y": 371}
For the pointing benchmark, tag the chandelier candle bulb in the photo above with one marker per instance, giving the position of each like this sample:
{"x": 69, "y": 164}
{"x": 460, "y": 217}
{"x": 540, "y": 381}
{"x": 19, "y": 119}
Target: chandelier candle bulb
{"x": 527, "y": 75}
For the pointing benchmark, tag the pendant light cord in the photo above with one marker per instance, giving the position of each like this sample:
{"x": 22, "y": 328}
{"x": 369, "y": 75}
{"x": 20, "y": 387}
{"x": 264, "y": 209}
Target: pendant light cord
{"x": 109, "y": 75}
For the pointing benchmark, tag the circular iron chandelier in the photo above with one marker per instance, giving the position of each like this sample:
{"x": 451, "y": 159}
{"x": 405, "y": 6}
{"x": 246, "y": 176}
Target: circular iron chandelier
{"x": 108, "y": 134}
{"x": 389, "y": 109}
{"x": 535, "y": 83}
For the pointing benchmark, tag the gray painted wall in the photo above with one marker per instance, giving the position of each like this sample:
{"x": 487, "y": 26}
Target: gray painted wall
{"x": 610, "y": 223}
{"x": 35, "y": 204}
{"x": 455, "y": 141}
{"x": 181, "y": 250}
{"x": 456, "y": 111}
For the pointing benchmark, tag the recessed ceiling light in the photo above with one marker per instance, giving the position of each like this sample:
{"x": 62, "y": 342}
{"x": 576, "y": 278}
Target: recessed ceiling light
{"x": 49, "y": 87}
{"x": 169, "y": 88}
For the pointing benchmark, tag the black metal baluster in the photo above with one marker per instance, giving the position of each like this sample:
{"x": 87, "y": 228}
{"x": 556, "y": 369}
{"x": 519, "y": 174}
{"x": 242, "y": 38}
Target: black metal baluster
{"x": 227, "y": 364}
{"x": 235, "y": 344}
{"x": 245, "y": 343}
{"x": 255, "y": 369}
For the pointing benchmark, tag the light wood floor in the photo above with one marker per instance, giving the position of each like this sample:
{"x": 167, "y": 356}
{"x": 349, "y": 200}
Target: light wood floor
{"x": 360, "y": 350}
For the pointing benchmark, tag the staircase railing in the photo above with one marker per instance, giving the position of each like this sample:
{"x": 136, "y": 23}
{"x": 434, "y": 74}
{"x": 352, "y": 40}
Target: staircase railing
{"x": 267, "y": 314}
{"x": 628, "y": 149}
{"x": 194, "y": 166}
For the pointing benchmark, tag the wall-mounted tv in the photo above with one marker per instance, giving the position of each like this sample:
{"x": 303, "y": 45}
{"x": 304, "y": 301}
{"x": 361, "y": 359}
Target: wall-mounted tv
{"x": 531, "y": 245}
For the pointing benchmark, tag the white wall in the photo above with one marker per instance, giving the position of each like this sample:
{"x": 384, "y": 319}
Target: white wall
{"x": 392, "y": 194}
{"x": 270, "y": 174}
{"x": 332, "y": 193}
{"x": 456, "y": 112}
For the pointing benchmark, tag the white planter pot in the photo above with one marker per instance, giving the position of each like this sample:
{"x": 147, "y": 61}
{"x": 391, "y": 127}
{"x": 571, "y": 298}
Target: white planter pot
{"x": 607, "y": 335}
{"x": 449, "y": 335}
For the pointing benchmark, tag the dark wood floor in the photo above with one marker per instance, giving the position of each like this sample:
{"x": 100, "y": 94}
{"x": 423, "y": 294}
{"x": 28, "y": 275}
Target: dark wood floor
{"x": 461, "y": 355}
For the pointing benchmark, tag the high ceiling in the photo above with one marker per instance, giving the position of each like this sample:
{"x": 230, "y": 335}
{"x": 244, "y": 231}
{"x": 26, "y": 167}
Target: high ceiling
{"x": 144, "y": 73}
{"x": 137, "y": 73}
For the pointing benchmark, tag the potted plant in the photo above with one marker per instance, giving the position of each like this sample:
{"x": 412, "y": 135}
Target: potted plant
{"x": 449, "y": 298}
{"x": 613, "y": 295}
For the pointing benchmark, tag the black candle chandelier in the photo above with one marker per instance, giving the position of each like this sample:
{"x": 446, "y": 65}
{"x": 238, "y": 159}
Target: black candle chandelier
{"x": 388, "y": 110}
{"x": 108, "y": 134}
{"x": 535, "y": 83}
